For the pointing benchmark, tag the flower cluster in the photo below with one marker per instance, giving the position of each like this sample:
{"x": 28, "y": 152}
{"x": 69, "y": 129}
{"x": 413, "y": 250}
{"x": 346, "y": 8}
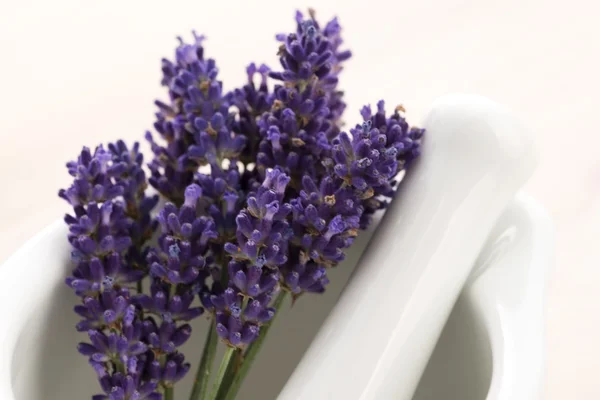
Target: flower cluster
{"x": 108, "y": 233}
{"x": 264, "y": 192}
{"x": 360, "y": 173}
{"x": 339, "y": 179}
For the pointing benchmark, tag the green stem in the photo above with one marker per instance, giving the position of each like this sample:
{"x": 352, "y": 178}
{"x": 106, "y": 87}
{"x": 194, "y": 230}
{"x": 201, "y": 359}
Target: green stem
{"x": 229, "y": 374}
{"x": 252, "y": 351}
{"x": 169, "y": 393}
{"x": 208, "y": 355}
{"x": 140, "y": 287}
{"x": 225, "y": 366}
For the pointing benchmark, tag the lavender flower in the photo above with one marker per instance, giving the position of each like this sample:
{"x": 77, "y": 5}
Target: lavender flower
{"x": 296, "y": 138}
{"x": 101, "y": 233}
{"x": 360, "y": 174}
{"x": 190, "y": 81}
{"x": 196, "y": 125}
{"x": 332, "y": 31}
{"x": 338, "y": 179}
{"x": 305, "y": 56}
{"x": 179, "y": 267}
{"x": 108, "y": 232}
{"x": 297, "y": 130}
{"x": 326, "y": 220}
{"x": 110, "y": 205}
{"x": 138, "y": 205}
{"x": 399, "y": 138}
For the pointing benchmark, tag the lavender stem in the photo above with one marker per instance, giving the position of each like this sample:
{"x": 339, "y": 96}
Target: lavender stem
{"x": 208, "y": 355}
{"x": 169, "y": 393}
{"x": 221, "y": 378}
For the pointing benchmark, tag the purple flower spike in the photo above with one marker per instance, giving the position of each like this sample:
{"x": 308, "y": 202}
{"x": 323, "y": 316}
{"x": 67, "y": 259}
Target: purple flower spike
{"x": 307, "y": 106}
{"x": 305, "y": 54}
{"x": 373, "y": 153}
{"x": 326, "y": 219}
{"x": 133, "y": 181}
{"x": 108, "y": 233}
{"x": 196, "y": 123}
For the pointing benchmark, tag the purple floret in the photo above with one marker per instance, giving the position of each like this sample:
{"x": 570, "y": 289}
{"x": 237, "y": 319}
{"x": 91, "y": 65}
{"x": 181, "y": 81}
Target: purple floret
{"x": 170, "y": 308}
{"x": 127, "y": 387}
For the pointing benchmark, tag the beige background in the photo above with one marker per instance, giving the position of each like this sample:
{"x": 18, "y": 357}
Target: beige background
{"x": 83, "y": 72}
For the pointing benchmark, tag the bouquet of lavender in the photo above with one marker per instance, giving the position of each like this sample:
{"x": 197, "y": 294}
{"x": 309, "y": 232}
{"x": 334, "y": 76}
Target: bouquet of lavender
{"x": 264, "y": 193}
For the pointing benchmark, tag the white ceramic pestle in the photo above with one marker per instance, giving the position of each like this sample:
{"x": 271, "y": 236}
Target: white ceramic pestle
{"x": 476, "y": 155}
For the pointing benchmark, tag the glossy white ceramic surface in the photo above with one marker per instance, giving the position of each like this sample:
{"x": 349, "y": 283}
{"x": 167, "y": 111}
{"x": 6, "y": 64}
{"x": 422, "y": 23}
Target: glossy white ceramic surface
{"x": 493, "y": 344}
{"x": 476, "y": 155}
